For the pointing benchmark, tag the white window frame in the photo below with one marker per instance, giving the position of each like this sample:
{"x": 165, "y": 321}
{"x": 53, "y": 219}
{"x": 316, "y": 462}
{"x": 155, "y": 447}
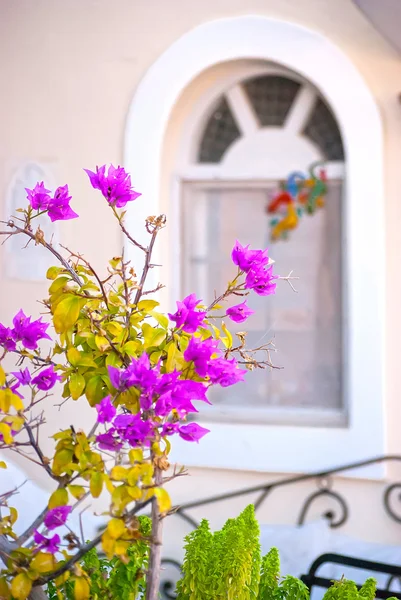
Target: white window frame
{"x": 284, "y": 448}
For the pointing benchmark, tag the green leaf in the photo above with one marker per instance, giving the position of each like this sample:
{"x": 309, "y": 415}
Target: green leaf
{"x": 77, "y": 491}
{"x": 73, "y": 356}
{"x": 147, "y": 305}
{"x": 21, "y": 586}
{"x": 58, "y": 498}
{"x": 43, "y": 562}
{"x": 131, "y": 348}
{"x": 96, "y": 484}
{"x": 67, "y": 312}
{"x": 160, "y": 318}
{"x": 94, "y": 390}
{"x": 77, "y": 385}
{"x": 151, "y": 336}
{"x": 53, "y": 272}
{"x": 58, "y": 284}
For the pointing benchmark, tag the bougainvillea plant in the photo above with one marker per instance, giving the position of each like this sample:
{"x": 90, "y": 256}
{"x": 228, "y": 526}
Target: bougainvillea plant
{"x": 143, "y": 373}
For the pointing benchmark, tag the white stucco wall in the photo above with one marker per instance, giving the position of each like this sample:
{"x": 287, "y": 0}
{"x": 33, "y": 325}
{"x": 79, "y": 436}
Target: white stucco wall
{"x": 69, "y": 71}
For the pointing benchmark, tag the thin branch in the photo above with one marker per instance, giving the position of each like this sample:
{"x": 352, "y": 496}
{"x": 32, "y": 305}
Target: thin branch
{"x": 34, "y": 525}
{"x": 159, "y": 224}
{"x": 43, "y": 460}
{"x": 41, "y": 240}
{"x": 126, "y": 232}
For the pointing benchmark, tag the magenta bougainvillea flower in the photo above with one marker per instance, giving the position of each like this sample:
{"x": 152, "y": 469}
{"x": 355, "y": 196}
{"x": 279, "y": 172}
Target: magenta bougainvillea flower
{"x": 246, "y": 259}
{"x": 187, "y": 318}
{"x": 27, "y": 332}
{"x": 23, "y": 377}
{"x": 46, "y": 379}
{"x": 199, "y": 352}
{"x": 56, "y": 517}
{"x": 115, "y": 185}
{"x": 261, "y": 281}
{"x": 225, "y": 372}
{"x": 7, "y": 340}
{"x": 105, "y": 410}
{"x": 47, "y": 544}
{"x": 192, "y": 432}
{"x": 38, "y": 197}
{"x": 59, "y": 208}
{"x": 240, "y": 312}
{"x": 108, "y": 441}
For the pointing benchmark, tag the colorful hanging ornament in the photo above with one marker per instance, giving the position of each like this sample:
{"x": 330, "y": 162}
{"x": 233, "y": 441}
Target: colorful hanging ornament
{"x": 298, "y": 195}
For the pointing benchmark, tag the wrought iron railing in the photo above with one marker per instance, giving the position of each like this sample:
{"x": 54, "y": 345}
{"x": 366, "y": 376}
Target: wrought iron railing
{"x": 337, "y": 517}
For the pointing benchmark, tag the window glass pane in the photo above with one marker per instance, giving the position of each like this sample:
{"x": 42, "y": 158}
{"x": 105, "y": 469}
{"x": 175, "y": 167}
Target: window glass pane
{"x": 304, "y": 326}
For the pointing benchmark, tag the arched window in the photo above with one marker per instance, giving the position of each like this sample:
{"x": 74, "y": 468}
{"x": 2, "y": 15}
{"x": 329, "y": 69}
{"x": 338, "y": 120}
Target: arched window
{"x": 267, "y": 126}
{"x": 167, "y": 143}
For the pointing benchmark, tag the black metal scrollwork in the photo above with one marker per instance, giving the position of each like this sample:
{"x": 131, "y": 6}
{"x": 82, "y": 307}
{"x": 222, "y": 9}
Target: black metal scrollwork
{"x": 335, "y": 518}
{"x": 389, "y": 493}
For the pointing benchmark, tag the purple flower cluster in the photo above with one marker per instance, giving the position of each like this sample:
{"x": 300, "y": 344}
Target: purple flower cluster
{"x": 57, "y": 206}
{"x": 259, "y": 276}
{"x": 165, "y": 394}
{"x": 218, "y": 370}
{"x": 25, "y": 331}
{"x": 115, "y": 185}
{"x": 187, "y": 318}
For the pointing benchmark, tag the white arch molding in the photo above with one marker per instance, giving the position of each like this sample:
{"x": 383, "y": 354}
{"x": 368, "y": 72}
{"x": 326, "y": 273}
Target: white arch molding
{"x": 314, "y": 57}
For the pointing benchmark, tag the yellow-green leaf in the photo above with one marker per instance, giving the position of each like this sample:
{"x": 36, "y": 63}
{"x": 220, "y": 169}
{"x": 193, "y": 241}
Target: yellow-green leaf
{"x": 131, "y": 348}
{"x": 5, "y": 431}
{"x": 96, "y": 484}
{"x": 5, "y": 400}
{"x": 2, "y": 376}
{"x": 160, "y": 318}
{"x": 73, "y": 356}
{"x": 115, "y": 528}
{"x": 52, "y": 272}
{"x": 67, "y": 312}
{"x": 58, "y": 498}
{"x": 16, "y": 401}
{"x": 43, "y": 562}
{"x": 119, "y": 473}
{"x": 13, "y": 515}
{"x": 135, "y": 455}
{"x": 175, "y": 359}
{"x": 101, "y": 343}
{"x": 163, "y": 499}
{"x": 227, "y": 341}
{"x": 94, "y": 390}
{"x": 77, "y": 491}
{"x": 58, "y": 284}
{"x": 21, "y": 586}
{"x": 77, "y": 385}
{"x": 81, "y": 588}
{"x": 147, "y": 305}
{"x": 4, "y": 589}
{"x": 151, "y": 336}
